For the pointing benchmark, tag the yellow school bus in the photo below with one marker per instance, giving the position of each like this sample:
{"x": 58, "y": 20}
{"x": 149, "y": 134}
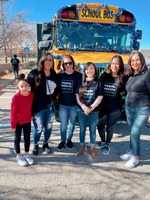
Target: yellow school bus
{"x": 89, "y": 32}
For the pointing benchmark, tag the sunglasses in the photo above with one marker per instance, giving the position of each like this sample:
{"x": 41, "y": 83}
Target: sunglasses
{"x": 48, "y": 60}
{"x": 68, "y": 63}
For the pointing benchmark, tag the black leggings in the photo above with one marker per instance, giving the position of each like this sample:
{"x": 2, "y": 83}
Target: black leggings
{"x": 26, "y": 131}
{"x": 107, "y": 120}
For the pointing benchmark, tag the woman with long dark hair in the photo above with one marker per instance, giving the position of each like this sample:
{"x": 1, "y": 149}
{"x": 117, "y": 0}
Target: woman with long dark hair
{"x": 113, "y": 81}
{"x": 43, "y": 83}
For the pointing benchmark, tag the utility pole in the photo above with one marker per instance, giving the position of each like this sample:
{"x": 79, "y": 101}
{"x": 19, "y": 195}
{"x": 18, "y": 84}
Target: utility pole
{"x": 3, "y": 28}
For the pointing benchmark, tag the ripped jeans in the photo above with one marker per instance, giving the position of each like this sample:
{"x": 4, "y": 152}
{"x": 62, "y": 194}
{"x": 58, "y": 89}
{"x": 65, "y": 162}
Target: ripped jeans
{"x": 42, "y": 122}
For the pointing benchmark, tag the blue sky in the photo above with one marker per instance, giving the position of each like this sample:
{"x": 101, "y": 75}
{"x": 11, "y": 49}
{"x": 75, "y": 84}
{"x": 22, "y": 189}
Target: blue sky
{"x": 44, "y": 10}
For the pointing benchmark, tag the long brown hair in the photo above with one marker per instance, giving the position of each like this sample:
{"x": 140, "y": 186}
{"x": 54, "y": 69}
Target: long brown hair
{"x": 41, "y": 74}
{"x": 144, "y": 67}
{"x": 120, "y": 74}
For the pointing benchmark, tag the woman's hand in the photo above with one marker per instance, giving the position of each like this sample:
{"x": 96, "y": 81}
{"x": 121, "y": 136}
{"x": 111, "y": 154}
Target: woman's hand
{"x": 149, "y": 119}
{"x": 87, "y": 110}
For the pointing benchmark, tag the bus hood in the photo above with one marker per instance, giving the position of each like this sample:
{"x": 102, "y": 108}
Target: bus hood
{"x": 95, "y": 57}
{"x": 100, "y": 59}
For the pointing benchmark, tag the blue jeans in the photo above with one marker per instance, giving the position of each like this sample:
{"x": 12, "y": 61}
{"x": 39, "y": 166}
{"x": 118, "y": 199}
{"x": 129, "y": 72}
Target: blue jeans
{"x": 107, "y": 121}
{"x": 67, "y": 115}
{"x": 136, "y": 118}
{"x": 43, "y": 122}
{"x": 15, "y": 70}
{"x": 90, "y": 120}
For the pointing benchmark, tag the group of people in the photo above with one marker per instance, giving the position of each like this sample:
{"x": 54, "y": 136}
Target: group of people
{"x": 96, "y": 102}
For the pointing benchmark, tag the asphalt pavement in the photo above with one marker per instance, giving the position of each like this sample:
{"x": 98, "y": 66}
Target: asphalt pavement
{"x": 63, "y": 175}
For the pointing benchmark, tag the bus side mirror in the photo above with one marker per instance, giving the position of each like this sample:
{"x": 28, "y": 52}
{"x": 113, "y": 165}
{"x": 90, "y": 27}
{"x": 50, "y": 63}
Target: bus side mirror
{"x": 45, "y": 45}
{"x": 139, "y": 34}
{"x": 136, "y": 46}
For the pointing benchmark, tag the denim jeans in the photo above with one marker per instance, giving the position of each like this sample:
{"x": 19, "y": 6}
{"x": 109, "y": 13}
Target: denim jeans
{"x": 67, "y": 115}
{"x": 85, "y": 121}
{"x": 43, "y": 122}
{"x": 15, "y": 70}
{"x": 136, "y": 118}
{"x": 107, "y": 121}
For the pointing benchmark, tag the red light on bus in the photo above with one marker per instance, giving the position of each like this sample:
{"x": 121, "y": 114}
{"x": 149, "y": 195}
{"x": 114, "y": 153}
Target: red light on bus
{"x": 64, "y": 14}
{"x": 128, "y": 18}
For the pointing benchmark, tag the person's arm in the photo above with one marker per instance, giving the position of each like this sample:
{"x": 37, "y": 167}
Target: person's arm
{"x": 96, "y": 102}
{"x": 149, "y": 119}
{"x": 85, "y": 108}
{"x": 13, "y": 114}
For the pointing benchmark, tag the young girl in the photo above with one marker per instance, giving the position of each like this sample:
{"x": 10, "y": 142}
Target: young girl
{"x": 21, "y": 120}
{"x": 89, "y": 97}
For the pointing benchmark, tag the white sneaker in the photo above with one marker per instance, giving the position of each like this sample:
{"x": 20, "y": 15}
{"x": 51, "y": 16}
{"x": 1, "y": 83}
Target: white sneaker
{"x": 126, "y": 156}
{"x": 29, "y": 159}
{"x": 21, "y": 161}
{"x": 132, "y": 162}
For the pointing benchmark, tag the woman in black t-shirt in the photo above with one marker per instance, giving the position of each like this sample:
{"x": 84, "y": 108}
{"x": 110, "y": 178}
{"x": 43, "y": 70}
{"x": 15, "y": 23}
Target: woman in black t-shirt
{"x": 89, "y": 97}
{"x": 111, "y": 106}
{"x": 43, "y": 83}
{"x": 68, "y": 81}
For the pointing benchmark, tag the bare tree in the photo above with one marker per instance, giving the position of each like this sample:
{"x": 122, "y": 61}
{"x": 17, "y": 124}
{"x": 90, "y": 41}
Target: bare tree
{"x": 15, "y": 32}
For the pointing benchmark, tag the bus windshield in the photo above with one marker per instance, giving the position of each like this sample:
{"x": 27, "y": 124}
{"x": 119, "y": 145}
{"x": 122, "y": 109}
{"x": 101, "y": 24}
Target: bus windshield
{"x": 94, "y": 37}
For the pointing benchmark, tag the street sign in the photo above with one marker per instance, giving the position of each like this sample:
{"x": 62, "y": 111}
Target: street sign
{"x": 26, "y": 49}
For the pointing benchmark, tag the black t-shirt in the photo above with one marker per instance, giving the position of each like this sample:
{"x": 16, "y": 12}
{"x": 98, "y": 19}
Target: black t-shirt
{"x": 68, "y": 85}
{"x": 112, "y": 99}
{"x": 91, "y": 91}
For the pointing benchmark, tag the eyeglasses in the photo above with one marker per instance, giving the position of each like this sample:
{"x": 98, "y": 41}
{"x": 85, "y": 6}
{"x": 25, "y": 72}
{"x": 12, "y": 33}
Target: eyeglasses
{"x": 68, "y": 63}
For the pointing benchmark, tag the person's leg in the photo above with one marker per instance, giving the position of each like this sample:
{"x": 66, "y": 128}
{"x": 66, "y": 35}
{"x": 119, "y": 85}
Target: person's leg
{"x": 17, "y": 139}
{"x": 64, "y": 117}
{"x": 112, "y": 119}
{"x": 139, "y": 120}
{"x": 92, "y": 123}
{"x": 49, "y": 118}
{"x": 38, "y": 121}
{"x": 20, "y": 159}
{"x": 72, "y": 120}
{"x": 101, "y": 126}
{"x": 83, "y": 124}
{"x": 27, "y": 133}
{"x": 15, "y": 72}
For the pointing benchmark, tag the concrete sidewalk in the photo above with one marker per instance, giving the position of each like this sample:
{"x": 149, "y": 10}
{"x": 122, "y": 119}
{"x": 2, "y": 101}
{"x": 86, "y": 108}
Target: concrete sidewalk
{"x": 63, "y": 175}
{"x": 6, "y": 79}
